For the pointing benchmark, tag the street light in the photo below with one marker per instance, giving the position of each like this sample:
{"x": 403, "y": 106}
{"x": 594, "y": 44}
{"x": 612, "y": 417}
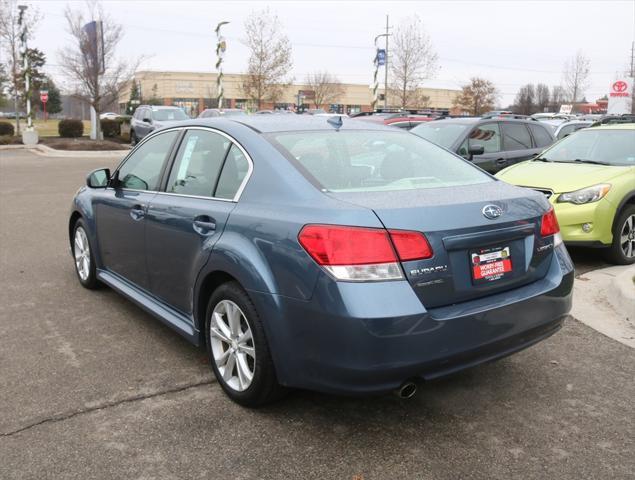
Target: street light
{"x": 25, "y": 65}
{"x": 378, "y": 62}
{"x": 221, "y": 46}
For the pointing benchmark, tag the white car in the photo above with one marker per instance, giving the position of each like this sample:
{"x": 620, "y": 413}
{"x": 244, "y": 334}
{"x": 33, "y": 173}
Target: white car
{"x": 109, "y": 116}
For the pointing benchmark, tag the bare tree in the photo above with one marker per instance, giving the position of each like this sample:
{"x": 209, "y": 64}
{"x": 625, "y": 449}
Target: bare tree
{"x": 327, "y": 87}
{"x": 576, "y": 76}
{"x": 412, "y": 60}
{"x": 10, "y": 36}
{"x": 558, "y": 97}
{"x": 269, "y": 57}
{"x": 542, "y": 97}
{"x": 525, "y": 102}
{"x": 477, "y": 97}
{"x": 96, "y": 84}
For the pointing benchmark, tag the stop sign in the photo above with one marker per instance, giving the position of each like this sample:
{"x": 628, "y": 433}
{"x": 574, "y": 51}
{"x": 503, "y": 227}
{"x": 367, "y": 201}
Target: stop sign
{"x": 44, "y": 97}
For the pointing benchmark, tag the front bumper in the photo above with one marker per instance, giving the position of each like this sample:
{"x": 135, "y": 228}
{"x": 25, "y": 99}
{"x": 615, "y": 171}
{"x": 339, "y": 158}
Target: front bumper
{"x": 362, "y": 338}
{"x": 572, "y": 217}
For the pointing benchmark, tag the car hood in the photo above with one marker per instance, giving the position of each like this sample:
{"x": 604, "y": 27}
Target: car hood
{"x": 559, "y": 177}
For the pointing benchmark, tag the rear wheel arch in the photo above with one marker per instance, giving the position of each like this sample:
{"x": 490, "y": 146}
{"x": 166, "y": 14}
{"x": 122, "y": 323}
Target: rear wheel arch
{"x": 208, "y": 285}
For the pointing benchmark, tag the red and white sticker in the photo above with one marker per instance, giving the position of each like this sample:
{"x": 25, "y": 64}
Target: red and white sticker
{"x": 489, "y": 265}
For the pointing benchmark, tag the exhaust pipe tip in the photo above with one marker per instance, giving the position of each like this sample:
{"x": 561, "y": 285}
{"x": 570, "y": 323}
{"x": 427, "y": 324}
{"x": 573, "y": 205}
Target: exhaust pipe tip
{"x": 407, "y": 390}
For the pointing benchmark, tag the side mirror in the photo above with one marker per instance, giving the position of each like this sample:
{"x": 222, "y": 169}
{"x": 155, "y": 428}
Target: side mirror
{"x": 147, "y": 120}
{"x": 98, "y": 178}
{"x": 476, "y": 150}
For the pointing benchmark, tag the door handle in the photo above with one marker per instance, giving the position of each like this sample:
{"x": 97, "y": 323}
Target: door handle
{"x": 137, "y": 212}
{"x": 204, "y": 225}
{"x": 501, "y": 161}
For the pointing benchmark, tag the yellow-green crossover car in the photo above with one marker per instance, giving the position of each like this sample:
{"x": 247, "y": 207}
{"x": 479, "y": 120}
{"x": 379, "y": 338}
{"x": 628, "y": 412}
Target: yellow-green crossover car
{"x": 589, "y": 177}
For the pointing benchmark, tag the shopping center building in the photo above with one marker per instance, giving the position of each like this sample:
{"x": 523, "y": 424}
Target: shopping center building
{"x": 196, "y": 91}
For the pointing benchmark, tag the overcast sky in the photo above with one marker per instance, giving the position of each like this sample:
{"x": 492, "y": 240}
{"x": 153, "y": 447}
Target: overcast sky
{"x": 510, "y": 42}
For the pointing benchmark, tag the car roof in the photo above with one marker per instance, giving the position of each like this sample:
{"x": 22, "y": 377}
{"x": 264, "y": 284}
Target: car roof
{"x": 286, "y": 123}
{"x": 616, "y": 126}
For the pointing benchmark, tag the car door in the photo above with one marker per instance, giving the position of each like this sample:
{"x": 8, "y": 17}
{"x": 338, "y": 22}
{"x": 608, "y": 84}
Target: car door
{"x": 517, "y": 142}
{"x": 121, "y": 208}
{"x": 188, "y": 217}
{"x": 145, "y": 125}
{"x": 487, "y": 135}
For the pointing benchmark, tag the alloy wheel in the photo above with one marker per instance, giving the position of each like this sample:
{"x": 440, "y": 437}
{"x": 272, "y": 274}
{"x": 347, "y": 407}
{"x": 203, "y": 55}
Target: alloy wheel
{"x": 232, "y": 345}
{"x": 81, "y": 251}
{"x": 627, "y": 237}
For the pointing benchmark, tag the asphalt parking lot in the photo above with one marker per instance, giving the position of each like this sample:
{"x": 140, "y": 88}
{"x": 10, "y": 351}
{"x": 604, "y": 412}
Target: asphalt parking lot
{"x": 92, "y": 387}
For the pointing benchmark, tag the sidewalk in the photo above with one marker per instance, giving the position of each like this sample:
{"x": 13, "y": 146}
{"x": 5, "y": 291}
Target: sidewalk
{"x": 605, "y": 301}
{"x": 45, "y": 151}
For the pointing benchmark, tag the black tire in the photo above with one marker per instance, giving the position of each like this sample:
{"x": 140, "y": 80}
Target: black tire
{"x": 615, "y": 253}
{"x": 264, "y": 387}
{"x": 90, "y": 282}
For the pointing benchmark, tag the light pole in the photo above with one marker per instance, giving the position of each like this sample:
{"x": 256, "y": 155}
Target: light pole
{"x": 221, "y": 46}
{"x": 25, "y": 65}
{"x": 378, "y": 63}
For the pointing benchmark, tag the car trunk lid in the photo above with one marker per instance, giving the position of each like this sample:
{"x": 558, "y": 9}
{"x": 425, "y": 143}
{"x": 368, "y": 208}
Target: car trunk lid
{"x": 474, "y": 255}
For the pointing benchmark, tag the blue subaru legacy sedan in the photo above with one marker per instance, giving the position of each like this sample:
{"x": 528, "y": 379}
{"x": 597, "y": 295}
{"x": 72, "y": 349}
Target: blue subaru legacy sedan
{"x": 316, "y": 253}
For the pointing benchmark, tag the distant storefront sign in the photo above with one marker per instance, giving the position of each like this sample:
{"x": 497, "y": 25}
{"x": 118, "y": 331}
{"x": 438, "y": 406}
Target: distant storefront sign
{"x": 566, "y": 109}
{"x": 620, "y": 96}
{"x": 307, "y": 94}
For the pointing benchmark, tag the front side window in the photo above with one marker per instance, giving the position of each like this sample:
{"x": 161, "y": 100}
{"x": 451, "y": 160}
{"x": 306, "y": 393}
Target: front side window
{"x": 142, "y": 169}
{"x": 516, "y": 136}
{"x": 198, "y": 163}
{"x": 362, "y": 161}
{"x": 593, "y": 145}
{"x": 488, "y": 135}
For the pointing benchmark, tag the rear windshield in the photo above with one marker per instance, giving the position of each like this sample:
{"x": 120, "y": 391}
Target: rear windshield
{"x": 442, "y": 133}
{"x": 362, "y": 161}
{"x": 166, "y": 114}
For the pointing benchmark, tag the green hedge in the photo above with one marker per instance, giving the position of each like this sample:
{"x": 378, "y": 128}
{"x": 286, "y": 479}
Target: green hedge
{"x": 70, "y": 128}
{"x": 6, "y": 128}
{"x": 110, "y": 128}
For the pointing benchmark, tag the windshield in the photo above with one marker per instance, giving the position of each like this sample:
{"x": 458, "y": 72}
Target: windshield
{"x": 444, "y": 134}
{"x": 363, "y": 161}
{"x": 166, "y": 114}
{"x": 612, "y": 147}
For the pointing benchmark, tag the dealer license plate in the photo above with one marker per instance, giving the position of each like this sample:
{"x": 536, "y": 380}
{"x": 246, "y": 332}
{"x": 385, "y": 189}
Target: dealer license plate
{"x": 490, "y": 264}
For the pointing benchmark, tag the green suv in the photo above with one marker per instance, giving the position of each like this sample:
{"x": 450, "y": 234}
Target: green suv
{"x": 589, "y": 177}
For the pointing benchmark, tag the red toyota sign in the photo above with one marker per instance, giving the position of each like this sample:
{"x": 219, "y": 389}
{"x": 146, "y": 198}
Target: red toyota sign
{"x": 620, "y": 89}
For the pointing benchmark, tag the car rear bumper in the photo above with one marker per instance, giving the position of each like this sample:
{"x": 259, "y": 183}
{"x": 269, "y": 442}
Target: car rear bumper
{"x": 363, "y": 338}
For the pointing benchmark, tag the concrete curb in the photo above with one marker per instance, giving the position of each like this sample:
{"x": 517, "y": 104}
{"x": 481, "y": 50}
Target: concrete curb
{"x": 604, "y": 300}
{"x": 622, "y": 292}
{"x": 45, "y": 151}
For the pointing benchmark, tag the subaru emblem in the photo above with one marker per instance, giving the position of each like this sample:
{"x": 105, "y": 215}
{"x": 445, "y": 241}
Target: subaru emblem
{"x": 492, "y": 211}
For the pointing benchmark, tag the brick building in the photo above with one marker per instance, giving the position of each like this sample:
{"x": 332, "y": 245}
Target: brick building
{"x": 195, "y": 91}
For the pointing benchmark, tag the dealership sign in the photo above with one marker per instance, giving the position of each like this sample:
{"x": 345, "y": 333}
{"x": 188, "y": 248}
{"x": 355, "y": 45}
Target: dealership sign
{"x": 621, "y": 96}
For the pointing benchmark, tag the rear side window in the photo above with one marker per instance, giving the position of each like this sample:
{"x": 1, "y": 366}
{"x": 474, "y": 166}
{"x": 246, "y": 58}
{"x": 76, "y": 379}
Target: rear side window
{"x": 487, "y": 135}
{"x": 234, "y": 172}
{"x": 142, "y": 169}
{"x": 516, "y": 136}
{"x": 541, "y": 137}
{"x": 198, "y": 163}
{"x": 364, "y": 161}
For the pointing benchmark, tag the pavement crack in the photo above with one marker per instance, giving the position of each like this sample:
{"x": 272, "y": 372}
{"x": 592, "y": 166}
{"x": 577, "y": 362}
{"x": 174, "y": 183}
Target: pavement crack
{"x": 82, "y": 411}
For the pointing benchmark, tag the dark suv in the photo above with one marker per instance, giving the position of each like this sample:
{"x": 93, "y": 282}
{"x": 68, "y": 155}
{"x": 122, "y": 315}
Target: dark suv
{"x": 148, "y": 118}
{"x": 492, "y": 143}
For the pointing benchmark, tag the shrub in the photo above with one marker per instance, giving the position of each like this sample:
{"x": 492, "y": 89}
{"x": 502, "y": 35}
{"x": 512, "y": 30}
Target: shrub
{"x": 6, "y": 128}
{"x": 70, "y": 128}
{"x": 110, "y": 128}
{"x": 6, "y": 139}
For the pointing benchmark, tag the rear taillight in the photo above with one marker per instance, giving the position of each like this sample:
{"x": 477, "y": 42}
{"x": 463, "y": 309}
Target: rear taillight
{"x": 362, "y": 254}
{"x": 549, "y": 226}
{"x": 410, "y": 245}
